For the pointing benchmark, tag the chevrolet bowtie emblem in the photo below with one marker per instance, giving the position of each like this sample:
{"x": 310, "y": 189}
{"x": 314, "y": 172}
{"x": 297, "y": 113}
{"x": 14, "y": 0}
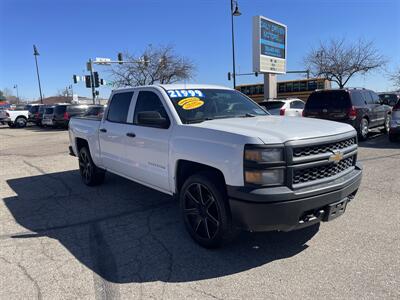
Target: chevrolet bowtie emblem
{"x": 336, "y": 157}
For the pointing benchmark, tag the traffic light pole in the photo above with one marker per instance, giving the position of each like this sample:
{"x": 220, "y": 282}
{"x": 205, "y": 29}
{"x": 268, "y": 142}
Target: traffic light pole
{"x": 92, "y": 81}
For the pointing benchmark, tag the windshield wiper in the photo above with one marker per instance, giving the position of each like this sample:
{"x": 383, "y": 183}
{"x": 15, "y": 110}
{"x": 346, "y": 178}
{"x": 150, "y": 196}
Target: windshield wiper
{"x": 247, "y": 115}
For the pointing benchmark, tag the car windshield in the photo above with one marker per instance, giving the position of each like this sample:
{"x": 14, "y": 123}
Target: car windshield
{"x": 198, "y": 105}
{"x": 389, "y": 99}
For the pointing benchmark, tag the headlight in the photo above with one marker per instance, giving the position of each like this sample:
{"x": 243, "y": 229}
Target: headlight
{"x": 264, "y": 165}
{"x": 262, "y": 177}
{"x": 266, "y": 155}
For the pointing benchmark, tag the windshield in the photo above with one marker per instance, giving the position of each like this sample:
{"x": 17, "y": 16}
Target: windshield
{"x": 207, "y": 104}
{"x": 49, "y": 110}
{"x": 388, "y": 99}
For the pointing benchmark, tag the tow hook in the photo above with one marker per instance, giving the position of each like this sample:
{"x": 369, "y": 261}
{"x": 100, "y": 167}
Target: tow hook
{"x": 312, "y": 216}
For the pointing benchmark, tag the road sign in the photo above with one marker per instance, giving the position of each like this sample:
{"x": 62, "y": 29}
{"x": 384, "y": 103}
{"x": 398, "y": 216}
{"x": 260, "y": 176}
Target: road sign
{"x": 269, "y": 46}
{"x": 102, "y": 61}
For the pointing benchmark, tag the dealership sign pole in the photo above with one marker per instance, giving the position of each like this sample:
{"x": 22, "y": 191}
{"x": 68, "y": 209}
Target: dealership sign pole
{"x": 269, "y": 52}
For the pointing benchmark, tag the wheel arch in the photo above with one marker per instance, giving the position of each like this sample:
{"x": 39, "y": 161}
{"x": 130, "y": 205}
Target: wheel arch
{"x": 185, "y": 168}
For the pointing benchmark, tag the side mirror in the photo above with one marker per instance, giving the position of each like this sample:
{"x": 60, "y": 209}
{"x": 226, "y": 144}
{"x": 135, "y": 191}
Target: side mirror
{"x": 152, "y": 119}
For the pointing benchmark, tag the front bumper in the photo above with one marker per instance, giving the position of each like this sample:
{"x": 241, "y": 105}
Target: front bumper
{"x": 281, "y": 208}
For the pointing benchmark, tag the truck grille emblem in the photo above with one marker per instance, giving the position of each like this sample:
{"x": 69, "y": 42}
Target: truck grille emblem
{"x": 336, "y": 157}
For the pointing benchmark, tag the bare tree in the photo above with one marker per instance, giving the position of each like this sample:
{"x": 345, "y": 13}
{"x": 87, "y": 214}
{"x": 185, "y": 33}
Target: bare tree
{"x": 395, "y": 78}
{"x": 339, "y": 61}
{"x": 154, "y": 65}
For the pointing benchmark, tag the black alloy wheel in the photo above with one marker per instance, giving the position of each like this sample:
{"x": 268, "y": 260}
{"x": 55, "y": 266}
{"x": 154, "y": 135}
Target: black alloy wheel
{"x": 91, "y": 175}
{"x": 205, "y": 211}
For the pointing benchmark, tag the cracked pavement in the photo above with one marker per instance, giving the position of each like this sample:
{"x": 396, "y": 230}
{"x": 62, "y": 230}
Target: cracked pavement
{"x": 62, "y": 240}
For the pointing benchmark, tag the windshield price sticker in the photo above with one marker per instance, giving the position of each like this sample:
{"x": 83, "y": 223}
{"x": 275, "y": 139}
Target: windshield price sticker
{"x": 190, "y": 103}
{"x": 185, "y": 93}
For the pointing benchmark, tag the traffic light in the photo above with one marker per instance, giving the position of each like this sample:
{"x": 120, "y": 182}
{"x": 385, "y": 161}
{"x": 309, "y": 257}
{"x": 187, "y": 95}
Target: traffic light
{"x": 75, "y": 79}
{"x": 102, "y": 81}
{"x": 88, "y": 81}
{"x": 229, "y": 76}
{"x": 96, "y": 79}
{"x": 256, "y": 73}
{"x": 120, "y": 60}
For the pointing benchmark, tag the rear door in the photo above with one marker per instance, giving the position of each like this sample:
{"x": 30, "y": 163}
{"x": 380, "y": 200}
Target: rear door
{"x": 112, "y": 132}
{"x": 380, "y": 109}
{"x": 147, "y": 147}
{"x": 372, "y": 108}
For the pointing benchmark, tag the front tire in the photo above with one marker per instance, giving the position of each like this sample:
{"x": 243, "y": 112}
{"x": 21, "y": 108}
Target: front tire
{"x": 205, "y": 210}
{"x": 386, "y": 126}
{"x": 364, "y": 129}
{"x": 90, "y": 173}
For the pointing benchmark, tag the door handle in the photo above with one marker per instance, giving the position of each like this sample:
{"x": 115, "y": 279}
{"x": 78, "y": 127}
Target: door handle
{"x": 103, "y": 130}
{"x": 131, "y": 134}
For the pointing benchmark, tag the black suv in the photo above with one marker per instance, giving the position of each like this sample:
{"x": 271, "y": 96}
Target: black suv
{"x": 34, "y": 112}
{"x": 64, "y": 112}
{"x": 360, "y": 108}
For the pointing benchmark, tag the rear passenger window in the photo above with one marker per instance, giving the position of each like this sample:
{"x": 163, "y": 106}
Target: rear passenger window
{"x": 357, "y": 98}
{"x": 118, "y": 110}
{"x": 368, "y": 97}
{"x": 375, "y": 98}
{"x": 297, "y": 105}
{"x": 148, "y": 101}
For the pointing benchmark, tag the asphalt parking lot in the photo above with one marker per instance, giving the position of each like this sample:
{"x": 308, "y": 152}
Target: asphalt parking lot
{"x": 61, "y": 240}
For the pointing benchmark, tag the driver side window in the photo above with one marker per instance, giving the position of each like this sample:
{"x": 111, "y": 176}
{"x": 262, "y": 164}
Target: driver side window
{"x": 148, "y": 101}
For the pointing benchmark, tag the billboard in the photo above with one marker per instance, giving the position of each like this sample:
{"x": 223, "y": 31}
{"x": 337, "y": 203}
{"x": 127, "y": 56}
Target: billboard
{"x": 269, "y": 46}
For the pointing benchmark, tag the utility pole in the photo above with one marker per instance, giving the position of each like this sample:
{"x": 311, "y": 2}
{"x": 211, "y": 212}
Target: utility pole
{"x": 36, "y": 53}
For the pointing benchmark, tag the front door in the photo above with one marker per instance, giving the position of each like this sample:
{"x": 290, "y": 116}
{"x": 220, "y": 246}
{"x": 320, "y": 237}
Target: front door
{"x": 147, "y": 146}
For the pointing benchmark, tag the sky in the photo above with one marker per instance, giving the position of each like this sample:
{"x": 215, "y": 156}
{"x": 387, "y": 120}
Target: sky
{"x": 68, "y": 33}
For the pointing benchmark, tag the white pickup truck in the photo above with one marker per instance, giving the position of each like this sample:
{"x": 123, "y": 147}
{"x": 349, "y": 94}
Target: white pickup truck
{"x": 17, "y": 117}
{"x": 230, "y": 163}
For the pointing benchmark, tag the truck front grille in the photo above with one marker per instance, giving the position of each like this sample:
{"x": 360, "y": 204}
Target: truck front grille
{"x": 322, "y": 172}
{"x": 324, "y": 148}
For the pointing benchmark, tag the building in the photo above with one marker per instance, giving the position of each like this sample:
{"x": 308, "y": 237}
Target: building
{"x": 300, "y": 88}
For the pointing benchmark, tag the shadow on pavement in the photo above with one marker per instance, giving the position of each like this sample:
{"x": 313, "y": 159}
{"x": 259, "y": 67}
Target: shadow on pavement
{"x": 128, "y": 233}
{"x": 378, "y": 140}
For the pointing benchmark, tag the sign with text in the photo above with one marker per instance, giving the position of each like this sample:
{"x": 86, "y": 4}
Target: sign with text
{"x": 269, "y": 46}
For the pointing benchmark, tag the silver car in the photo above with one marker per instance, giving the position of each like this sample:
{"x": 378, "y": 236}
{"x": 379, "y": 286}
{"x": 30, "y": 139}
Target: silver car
{"x": 394, "y": 131}
{"x": 48, "y": 116}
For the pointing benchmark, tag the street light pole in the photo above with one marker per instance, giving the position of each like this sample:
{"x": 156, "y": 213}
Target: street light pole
{"x": 36, "y": 53}
{"x": 16, "y": 88}
{"x": 234, "y": 13}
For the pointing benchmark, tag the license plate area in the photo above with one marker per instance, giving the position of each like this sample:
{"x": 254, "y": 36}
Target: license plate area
{"x": 334, "y": 210}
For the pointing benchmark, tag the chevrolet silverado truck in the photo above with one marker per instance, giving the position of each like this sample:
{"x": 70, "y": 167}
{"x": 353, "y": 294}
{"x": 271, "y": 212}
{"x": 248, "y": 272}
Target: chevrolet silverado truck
{"x": 230, "y": 163}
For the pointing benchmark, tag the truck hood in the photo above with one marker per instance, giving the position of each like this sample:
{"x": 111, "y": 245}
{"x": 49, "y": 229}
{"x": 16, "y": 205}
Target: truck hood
{"x": 277, "y": 129}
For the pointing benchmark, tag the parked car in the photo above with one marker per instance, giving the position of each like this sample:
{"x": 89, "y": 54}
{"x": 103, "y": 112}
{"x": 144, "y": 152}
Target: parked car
{"x": 360, "y": 108}
{"x": 16, "y": 117}
{"x": 230, "y": 163}
{"x": 64, "y": 112}
{"x": 389, "y": 98}
{"x": 95, "y": 111}
{"x": 33, "y": 115}
{"x": 394, "y": 131}
{"x": 285, "y": 107}
{"x": 48, "y": 115}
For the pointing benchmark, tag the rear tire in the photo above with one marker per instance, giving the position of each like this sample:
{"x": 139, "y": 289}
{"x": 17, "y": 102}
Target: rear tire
{"x": 20, "y": 122}
{"x": 90, "y": 173}
{"x": 363, "y": 129}
{"x": 205, "y": 210}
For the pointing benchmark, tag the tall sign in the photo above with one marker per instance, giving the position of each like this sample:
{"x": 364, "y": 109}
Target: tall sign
{"x": 269, "y": 46}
